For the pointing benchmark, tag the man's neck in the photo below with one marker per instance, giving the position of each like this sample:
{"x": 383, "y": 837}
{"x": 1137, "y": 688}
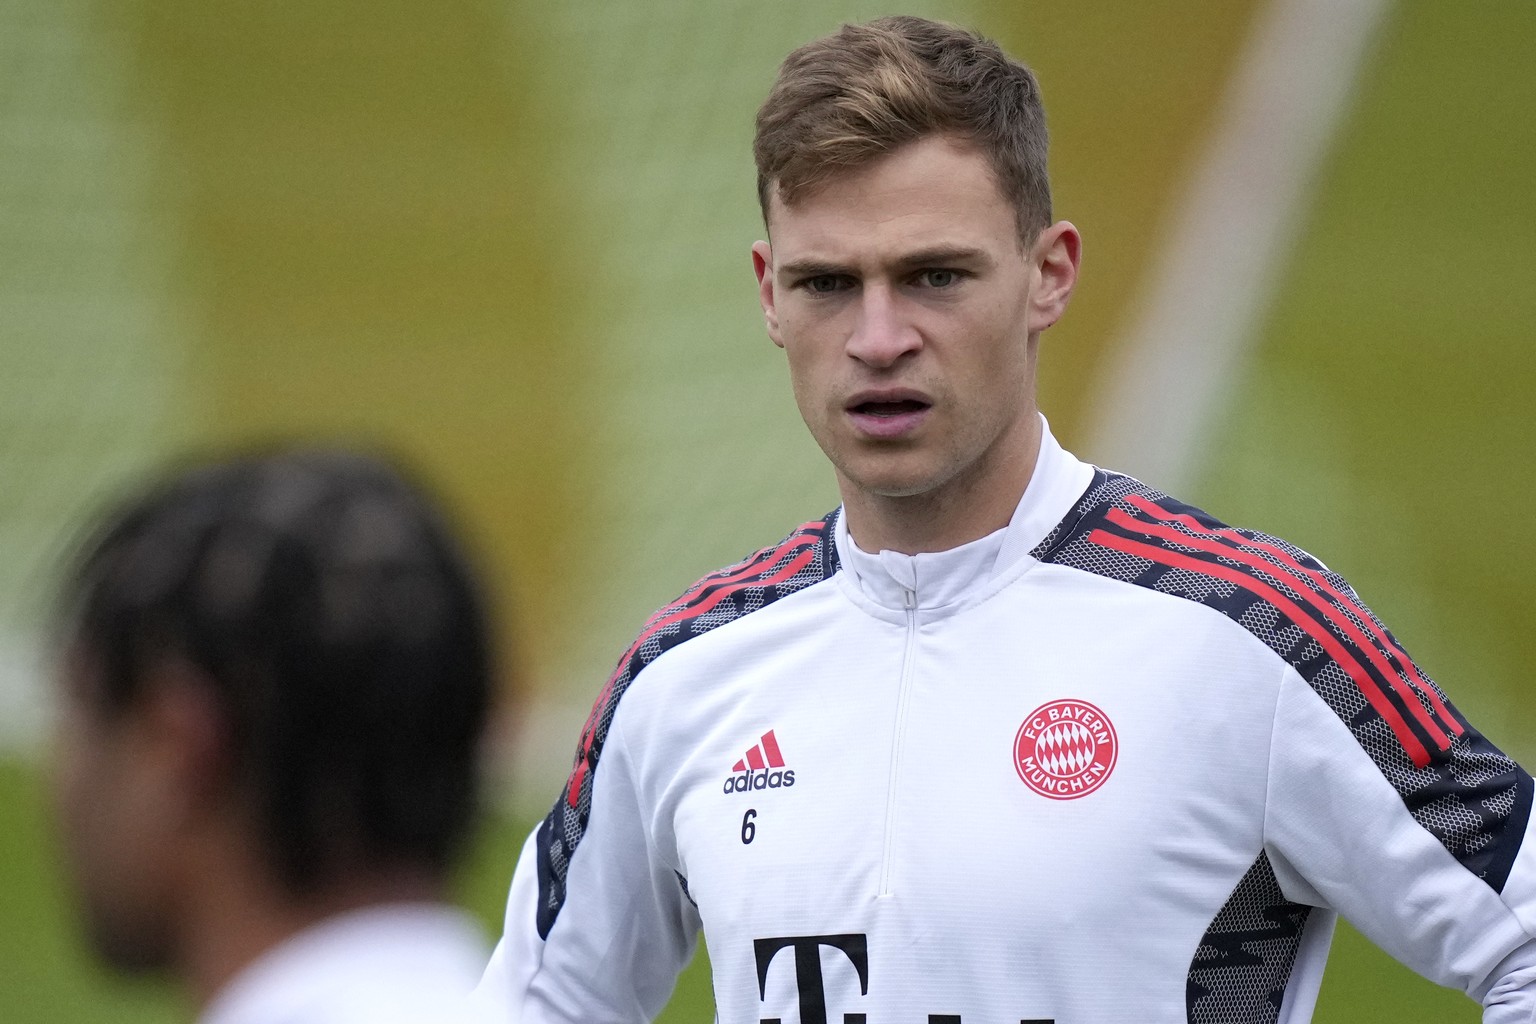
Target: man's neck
{"x": 965, "y": 508}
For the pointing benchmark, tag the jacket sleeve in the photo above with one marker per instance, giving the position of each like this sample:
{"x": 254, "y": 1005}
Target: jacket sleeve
{"x": 1429, "y": 856}
{"x": 598, "y": 925}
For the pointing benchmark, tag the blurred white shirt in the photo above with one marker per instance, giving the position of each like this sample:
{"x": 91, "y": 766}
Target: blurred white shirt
{"x": 408, "y": 963}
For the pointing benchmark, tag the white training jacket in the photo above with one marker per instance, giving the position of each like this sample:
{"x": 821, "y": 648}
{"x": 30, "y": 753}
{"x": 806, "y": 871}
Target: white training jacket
{"x": 1115, "y": 764}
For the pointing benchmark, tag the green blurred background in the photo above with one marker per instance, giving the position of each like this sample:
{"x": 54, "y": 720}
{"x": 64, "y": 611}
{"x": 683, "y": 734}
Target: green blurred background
{"x": 509, "y": 241}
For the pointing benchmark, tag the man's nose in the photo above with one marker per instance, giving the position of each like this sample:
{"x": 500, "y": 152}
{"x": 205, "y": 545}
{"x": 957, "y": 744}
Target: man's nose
{"x": 882, "y": 333}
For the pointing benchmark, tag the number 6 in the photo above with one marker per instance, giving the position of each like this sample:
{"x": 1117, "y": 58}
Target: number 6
{"x": 748, "y": 829}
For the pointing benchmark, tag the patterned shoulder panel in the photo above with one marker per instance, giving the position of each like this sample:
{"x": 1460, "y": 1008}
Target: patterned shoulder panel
{"x": 1457, "y": 784}
{"x": 805, "y": 557}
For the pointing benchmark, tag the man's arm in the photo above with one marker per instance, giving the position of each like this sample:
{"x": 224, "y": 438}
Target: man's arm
{"x": 597, "y": 927}
{"x": 1431, "y": 859}
{"x": 599, "y": 921}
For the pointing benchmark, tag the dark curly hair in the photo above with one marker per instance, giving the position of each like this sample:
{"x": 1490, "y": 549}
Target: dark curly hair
{"x": 341, "y": 627}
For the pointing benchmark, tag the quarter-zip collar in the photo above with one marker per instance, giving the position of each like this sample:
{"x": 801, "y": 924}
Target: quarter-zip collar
{"x": 939, "y": 578}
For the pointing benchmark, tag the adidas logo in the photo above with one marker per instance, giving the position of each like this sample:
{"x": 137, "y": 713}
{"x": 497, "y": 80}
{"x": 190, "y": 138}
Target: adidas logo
{"x": 761, "y": 767}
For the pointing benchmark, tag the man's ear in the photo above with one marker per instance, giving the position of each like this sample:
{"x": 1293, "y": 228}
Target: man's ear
{"x": 188, "y": 733}
{"x": 1056, "y": 255}
{"x": 762, "y": 266}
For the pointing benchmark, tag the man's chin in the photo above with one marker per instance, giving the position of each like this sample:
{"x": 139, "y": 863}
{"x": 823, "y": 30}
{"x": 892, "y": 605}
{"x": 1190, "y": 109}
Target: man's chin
{"x": 892, "y": 484}
{"x": 132, "y": 951}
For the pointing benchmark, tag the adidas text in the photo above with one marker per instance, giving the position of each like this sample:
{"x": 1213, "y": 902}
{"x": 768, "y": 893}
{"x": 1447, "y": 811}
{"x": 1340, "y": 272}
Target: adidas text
{"x": 745, "y": 782}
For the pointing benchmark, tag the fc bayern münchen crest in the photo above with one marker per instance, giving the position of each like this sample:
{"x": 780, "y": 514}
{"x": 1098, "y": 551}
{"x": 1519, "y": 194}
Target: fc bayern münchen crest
{"x": 1065, "y": 749}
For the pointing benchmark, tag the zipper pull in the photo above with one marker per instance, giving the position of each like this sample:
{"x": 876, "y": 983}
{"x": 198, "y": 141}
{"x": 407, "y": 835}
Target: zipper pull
{"x": 908, "y": 599}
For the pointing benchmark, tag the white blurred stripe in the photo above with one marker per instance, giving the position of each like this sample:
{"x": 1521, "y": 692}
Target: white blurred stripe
{"x": 1201, "y": 309}
{"x": 91, "y": 337}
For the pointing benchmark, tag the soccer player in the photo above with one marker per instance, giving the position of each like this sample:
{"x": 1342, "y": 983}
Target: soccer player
{"x": 275, "y": 677}
{"x": 1006, "y": 737}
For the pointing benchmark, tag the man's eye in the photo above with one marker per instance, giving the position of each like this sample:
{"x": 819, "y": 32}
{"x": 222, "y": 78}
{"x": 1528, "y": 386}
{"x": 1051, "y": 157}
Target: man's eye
{"x": 823, "y": 283}
{"x": 938, "y": 278}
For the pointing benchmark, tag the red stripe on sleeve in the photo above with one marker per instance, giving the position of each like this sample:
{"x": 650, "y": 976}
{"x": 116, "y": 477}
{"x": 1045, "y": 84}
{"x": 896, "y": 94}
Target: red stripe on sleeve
{"x": 1367, "y": 686}
{"x": 692, "y": 606}
{"x": 1318, "y": 581}
{"x": 741, "y": 580}
{"x": 1212, "y": 546}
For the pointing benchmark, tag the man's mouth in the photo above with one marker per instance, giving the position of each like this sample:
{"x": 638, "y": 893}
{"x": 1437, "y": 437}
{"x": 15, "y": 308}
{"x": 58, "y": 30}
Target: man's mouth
{"x": 888, "y": 416}
{"x": 902, "y": 407}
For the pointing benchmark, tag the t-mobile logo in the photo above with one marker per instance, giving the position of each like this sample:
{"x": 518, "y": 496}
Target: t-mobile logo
{"x": 808, "y": 977}
{"x": 813, "y": 997}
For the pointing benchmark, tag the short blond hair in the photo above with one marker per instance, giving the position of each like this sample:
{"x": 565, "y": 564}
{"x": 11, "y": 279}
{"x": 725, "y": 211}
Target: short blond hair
{"x": 868, "y": 89}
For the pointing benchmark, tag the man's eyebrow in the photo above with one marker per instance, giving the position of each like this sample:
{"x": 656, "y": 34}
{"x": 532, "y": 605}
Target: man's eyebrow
{"x": 936, "y": 256}
{"x": 940, "y": 255}
{"x": 812, "y": 267}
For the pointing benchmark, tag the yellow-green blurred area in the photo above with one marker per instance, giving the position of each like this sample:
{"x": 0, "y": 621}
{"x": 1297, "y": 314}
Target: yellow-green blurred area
{"x": 509, "y": 242}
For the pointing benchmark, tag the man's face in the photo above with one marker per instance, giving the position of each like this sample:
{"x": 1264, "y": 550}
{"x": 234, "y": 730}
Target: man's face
{"x": 908, "y": 309}
{"x": 112, "y": 818}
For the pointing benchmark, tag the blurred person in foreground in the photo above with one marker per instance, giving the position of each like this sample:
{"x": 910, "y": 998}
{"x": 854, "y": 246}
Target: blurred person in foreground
{"x": 1007, "y": 737}
{"x": 276, "y": 673}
